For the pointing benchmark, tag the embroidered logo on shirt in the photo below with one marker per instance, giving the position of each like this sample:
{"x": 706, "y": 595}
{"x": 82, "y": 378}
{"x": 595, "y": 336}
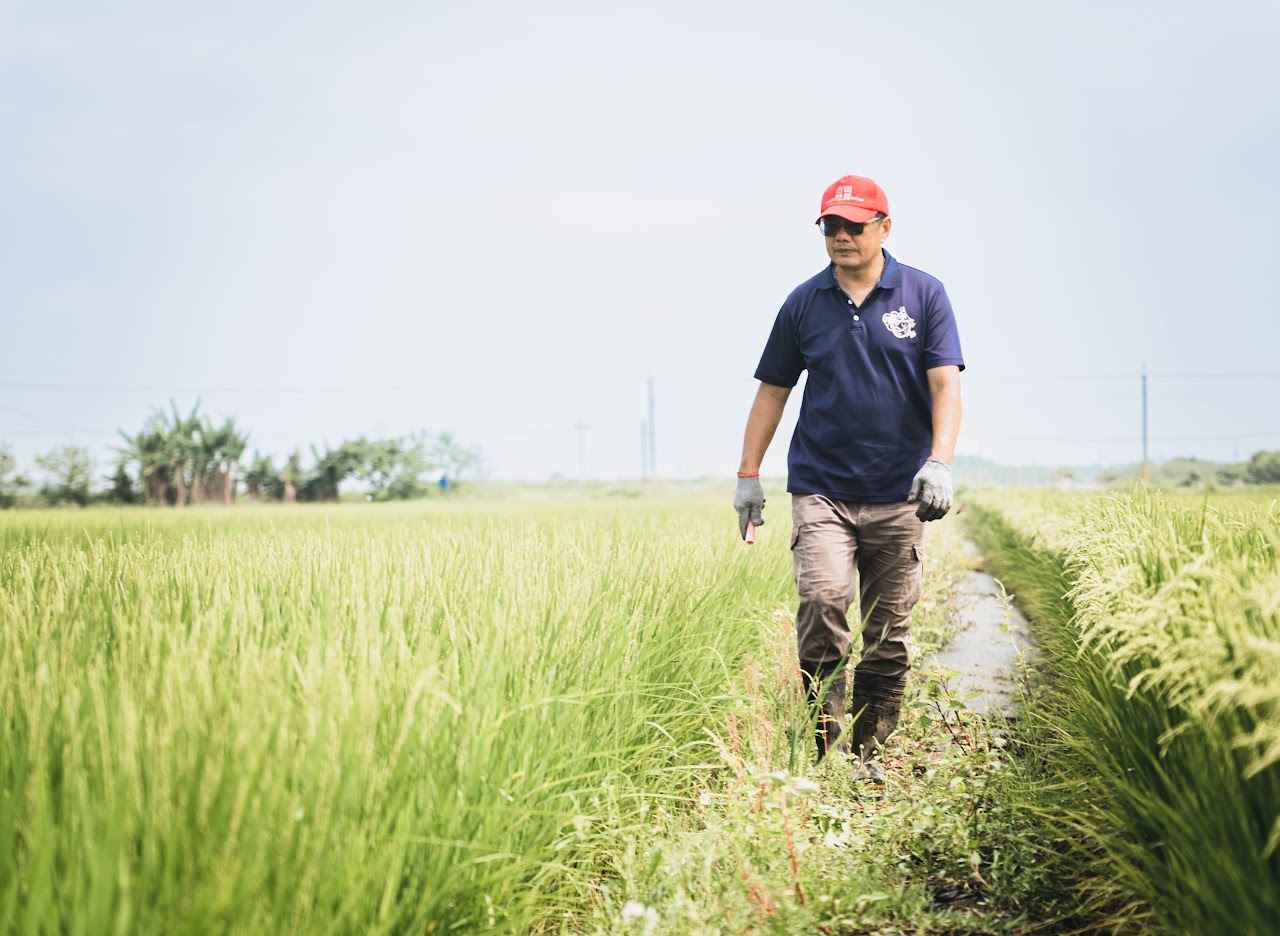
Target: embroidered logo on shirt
{"x": 899, "y": 323}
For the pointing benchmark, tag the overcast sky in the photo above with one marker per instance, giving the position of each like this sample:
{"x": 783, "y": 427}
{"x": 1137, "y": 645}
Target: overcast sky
{"x": 333, "y": 219}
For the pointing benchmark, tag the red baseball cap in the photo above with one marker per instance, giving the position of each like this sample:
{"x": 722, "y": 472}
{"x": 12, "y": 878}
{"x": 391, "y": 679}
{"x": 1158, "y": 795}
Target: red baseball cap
{"x": 854, "y": 198}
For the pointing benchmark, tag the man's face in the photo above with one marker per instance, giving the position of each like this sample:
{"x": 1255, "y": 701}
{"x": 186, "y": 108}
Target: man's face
{"x": 856, "y": 250}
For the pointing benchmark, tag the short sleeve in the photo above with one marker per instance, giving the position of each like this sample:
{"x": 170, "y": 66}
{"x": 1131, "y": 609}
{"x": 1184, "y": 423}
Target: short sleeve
{"x": 942, "y": 339}
{"x": 782, "y": 363}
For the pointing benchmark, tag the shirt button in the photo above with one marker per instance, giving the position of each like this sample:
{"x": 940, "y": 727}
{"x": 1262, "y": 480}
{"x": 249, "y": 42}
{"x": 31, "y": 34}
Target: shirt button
{"x": 855, "y": 318}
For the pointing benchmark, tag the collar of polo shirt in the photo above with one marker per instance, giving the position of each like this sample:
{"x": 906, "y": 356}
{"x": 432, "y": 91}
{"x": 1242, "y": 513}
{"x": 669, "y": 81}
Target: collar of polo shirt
{"x": 888, "y": 276}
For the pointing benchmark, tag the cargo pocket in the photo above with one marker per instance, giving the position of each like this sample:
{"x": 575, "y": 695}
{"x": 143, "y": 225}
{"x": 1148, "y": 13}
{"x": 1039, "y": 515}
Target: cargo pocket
{"x": 917, "y": 573}
{"x": 796, "y": 572}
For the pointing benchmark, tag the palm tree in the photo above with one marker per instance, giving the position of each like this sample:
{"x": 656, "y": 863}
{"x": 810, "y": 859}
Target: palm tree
{"x": 261, "y": 479}
{"x": 148, "y": 449}
{"x": 219, "y": 451}
{"x": 171, "y": 461}
{"x": 290, "y": 478}
{"x": 182, "y": 448}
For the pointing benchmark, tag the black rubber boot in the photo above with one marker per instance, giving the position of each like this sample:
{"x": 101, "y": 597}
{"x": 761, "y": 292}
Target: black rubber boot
{"x": 877, "y": 701}
{"x": 826, "y": 689}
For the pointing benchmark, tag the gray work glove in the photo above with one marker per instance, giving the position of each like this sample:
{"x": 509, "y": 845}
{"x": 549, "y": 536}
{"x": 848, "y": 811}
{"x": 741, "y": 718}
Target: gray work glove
{"x": 749, "y": 503}
{"x": 932, "y": 488}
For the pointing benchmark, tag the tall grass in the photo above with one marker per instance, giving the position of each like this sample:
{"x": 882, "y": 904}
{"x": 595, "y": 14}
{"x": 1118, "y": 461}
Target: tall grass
{"x": 1159, "y": 619}
{"x": 355, "y": 720}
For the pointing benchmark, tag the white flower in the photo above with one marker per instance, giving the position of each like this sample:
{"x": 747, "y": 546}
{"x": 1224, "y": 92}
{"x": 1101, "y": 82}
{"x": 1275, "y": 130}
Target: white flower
{"x": 650, "y": 921}
{"x": 633, "y": 910}
{"x": 803, "y": 786}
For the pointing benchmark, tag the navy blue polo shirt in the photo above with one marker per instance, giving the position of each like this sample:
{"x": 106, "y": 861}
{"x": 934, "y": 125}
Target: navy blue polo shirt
{"x": 866, "y": 422}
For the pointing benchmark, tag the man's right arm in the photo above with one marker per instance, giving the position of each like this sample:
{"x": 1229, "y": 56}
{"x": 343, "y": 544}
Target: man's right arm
{"x": 762, "y": 423}
{"x": 780, "y": 367}
{"x": 766, "y": 411}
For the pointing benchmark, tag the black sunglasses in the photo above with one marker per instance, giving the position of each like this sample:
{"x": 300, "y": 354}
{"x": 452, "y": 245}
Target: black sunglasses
{"x": 832, "y": 225}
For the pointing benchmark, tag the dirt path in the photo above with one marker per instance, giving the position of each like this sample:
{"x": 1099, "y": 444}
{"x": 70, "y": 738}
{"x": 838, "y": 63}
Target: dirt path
{"x": 985, "y": 656}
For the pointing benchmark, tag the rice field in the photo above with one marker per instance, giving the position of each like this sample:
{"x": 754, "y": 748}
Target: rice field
{"x": 350, "y": 719}
{"x": 500, "y": 716}
{"x": 583, "y": 716}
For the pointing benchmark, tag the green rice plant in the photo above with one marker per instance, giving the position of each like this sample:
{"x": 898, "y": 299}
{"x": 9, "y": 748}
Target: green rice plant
{"x": 518, "y": 715}
{"x": 769, "y": 843}
{"x": 1157, "y": 727}
{"x": 382, "y": 719}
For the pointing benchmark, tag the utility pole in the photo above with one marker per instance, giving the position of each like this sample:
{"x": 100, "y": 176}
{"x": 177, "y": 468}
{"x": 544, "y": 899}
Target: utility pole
{"x": 653, "y": 436}
{"x": 581, "y": 429}
{"x": 644, "y": 450}
{"x": 1146, "y": 464}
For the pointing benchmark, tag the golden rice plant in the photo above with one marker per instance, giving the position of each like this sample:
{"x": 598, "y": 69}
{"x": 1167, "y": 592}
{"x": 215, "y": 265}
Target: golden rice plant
{"x": 1159, "y": 615}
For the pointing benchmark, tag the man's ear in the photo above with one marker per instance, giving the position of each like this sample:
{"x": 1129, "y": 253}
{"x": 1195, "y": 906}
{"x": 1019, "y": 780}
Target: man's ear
{"x": 886, "y": 225}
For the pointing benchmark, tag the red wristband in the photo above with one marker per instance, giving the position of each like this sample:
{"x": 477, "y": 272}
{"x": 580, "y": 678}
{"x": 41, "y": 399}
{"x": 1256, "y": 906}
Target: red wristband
{"x": 748, "y": 474}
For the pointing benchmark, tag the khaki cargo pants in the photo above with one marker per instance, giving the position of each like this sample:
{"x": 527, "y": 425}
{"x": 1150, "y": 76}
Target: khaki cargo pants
{"x": 877, "y": 548}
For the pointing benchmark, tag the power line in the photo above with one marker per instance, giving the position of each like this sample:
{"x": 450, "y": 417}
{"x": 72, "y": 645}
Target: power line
{"x": 1243, "y": 375}
{"x": 741, "y": 379}
{"x": 728, "y": 433}
{"x": 1128, "y": 440}
{"x": 980, "y": 376}
{"x": 130, "y": 388}
{"x": 1125, "y": 378}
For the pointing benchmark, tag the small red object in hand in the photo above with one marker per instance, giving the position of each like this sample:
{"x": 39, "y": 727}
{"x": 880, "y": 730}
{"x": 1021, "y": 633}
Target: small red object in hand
{"x": 751, "y": 533}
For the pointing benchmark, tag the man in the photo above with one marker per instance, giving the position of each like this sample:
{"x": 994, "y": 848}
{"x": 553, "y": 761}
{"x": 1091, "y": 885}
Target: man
{"x": 870, "y": 460}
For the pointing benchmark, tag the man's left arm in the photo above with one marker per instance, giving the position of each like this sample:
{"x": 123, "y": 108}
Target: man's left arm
{"x": 931, "y": 487}
{"x": 944, "y": 388}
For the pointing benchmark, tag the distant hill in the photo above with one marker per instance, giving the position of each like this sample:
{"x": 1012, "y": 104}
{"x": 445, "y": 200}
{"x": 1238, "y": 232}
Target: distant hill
{"x": 982, "y": 472}
{"x": 1176, "y": 472}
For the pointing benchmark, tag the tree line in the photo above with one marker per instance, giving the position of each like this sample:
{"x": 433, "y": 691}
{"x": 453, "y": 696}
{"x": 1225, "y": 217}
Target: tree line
{"x": 1263, "y": 467}
{"x": 176, "y": 460}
